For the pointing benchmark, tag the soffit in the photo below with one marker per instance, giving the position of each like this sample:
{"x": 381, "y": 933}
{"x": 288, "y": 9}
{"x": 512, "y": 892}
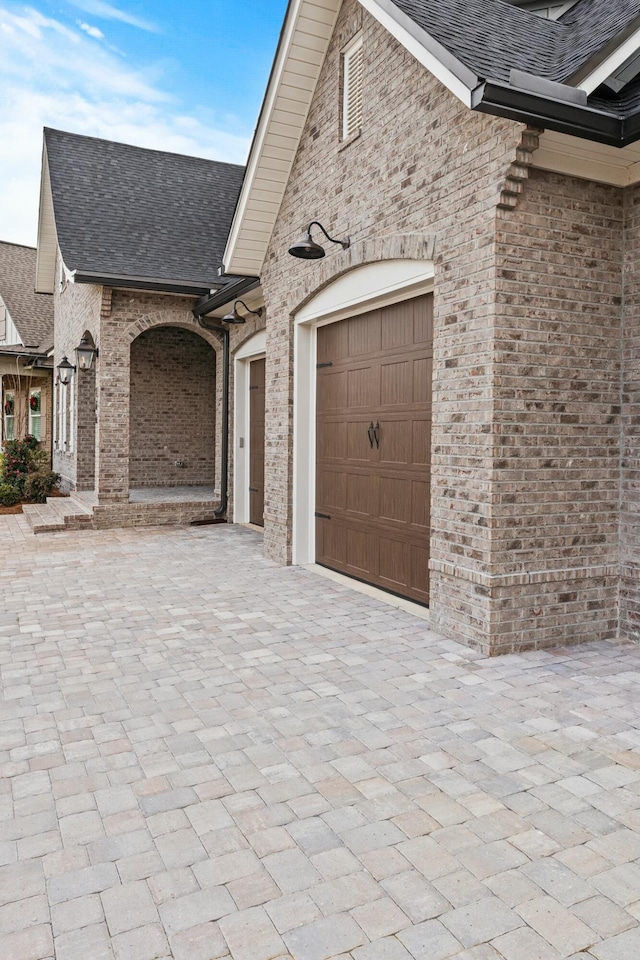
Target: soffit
{"x": 308, "y": 28}
{"x": 587, "y": 159}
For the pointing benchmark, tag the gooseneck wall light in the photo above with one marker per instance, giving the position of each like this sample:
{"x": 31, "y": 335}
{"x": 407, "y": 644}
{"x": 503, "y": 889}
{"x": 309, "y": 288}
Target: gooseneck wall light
{"x": 307, "y": 249}
{"x": 235, "y": 317}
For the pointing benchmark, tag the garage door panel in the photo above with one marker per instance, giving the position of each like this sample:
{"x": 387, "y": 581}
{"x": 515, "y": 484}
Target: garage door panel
{"x": 362, "y": 552}
{"x": 423, "y": 321}
{"x": 333, "y": 344}
{"x": 331, "y": 543}
{"x": 421, "y": 441}
{"x": 363, "y": 495}
{"x": 398, "y": 325}
{"x": 332, "y": 390}
{"x": 331, "y": 490}
{"x": 395, "y": 442}
{"x": 395, "y": 500}
{"x": 421, "y": 503}
{"x": 364, "y": 334}
{"x": 395, "y": 385}
{"x": 374, "y": 486}
{"x": 332, "y": 440}
{"x": 359, "y": 449}
{"x": 422, "y": 386}
{"x": 395, "y": 564}
{"x": 363, "y": 387}
{"x": 419, "y": 582}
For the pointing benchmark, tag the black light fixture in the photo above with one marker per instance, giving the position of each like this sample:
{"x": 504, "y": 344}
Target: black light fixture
{"x": 307, "y": 249}
{"x": 65, "y": 371}
{"x": 86, "y": 352}
{"x": 235, "y": 317}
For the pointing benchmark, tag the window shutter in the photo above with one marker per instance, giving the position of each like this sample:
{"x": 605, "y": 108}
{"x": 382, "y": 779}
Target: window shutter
{"x": 353, "y": 88}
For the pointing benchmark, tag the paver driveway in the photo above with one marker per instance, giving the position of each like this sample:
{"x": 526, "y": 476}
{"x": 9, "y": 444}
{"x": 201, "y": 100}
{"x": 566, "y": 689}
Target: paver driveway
{"x": 205, "y": 755}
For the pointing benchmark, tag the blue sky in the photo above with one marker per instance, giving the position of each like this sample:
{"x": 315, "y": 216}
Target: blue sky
{"x": 183, "y": 76}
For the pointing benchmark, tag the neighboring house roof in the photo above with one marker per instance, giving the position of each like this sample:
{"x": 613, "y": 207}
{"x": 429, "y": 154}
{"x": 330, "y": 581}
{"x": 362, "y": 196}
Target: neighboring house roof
{"x": 494, "y": 56}
{"x": 127, "y": 213}
{"x": 31, "y": 313}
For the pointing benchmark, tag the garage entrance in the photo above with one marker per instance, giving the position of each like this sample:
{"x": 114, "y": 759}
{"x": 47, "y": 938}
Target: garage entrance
{"x": 373, "y": 446}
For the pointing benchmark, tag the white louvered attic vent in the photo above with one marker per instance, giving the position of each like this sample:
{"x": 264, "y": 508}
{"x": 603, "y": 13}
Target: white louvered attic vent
{"x": 353, "y": 74}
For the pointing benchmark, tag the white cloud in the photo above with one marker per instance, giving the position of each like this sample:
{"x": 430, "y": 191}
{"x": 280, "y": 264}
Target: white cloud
{"x": 106, "y": 11}
{"x": 94, "y": 32}
{"x": 53, "y": 76}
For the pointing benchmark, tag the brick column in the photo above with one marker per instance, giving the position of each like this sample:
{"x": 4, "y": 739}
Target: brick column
{"x": 112, "y": 428}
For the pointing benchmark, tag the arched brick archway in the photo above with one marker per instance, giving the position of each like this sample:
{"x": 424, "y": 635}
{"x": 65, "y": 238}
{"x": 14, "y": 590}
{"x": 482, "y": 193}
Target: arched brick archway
{"x": 172, "y": 408}
{"x": 130, "y": 315}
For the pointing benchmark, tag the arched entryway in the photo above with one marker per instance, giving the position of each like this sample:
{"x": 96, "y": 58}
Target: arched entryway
{"x": 172, "y": 410}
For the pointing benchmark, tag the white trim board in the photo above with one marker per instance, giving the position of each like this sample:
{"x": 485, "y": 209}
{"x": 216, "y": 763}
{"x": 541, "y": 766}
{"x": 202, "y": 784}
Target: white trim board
{"x": 400, "y": 603}
{"x": 379, "y": 284}
{"x": 613, "y": 63}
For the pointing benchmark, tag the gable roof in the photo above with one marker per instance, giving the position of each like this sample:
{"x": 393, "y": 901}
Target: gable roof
{"x": 494, "y": 56}
{"x": 31, "y": 313}
{"x": 128, "y": 213}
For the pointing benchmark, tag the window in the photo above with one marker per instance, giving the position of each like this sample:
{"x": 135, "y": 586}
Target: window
{"x": 352, "y": 74}
{"x": 9, "y": 412}
{"x": 60, "y": 416}
{"x": 3, "y": 323}
{"x": 35, "y": 413}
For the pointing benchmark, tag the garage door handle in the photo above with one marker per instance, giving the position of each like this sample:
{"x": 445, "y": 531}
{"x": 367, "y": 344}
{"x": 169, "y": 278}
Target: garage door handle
{"x": 371, "y": 433}
{"x": 376, "y": 434}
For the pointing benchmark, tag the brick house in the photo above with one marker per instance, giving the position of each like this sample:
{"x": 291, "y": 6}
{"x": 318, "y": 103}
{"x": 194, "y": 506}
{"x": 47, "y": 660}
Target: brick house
{"x": 129, "y": 243}
{"x": 452, "y": 392}
{"x": 26, "y": 341}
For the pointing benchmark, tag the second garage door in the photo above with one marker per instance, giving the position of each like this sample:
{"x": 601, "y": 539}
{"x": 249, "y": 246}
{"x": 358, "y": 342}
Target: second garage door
{"x": 373, "y": 447}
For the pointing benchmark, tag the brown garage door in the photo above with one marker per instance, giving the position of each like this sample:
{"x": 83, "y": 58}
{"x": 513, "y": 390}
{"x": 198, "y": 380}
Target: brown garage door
{"x": 373, "y": 446}
{"x": 256, "y": 441}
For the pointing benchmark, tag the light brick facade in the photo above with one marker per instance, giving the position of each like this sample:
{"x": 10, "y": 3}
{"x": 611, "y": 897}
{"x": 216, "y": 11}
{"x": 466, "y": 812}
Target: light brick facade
{"x": 526, "y": 441}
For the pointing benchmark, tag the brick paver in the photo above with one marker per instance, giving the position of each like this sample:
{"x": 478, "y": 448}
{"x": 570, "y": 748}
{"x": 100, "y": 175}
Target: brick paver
{"x": 206, "y": 756}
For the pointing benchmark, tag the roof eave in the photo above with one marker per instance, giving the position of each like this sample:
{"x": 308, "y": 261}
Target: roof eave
{"x": 608, "y": 59}
{"x": 157, "y": 284}
{"x": 47, "y": 236}
{"x": 502, "y": 100}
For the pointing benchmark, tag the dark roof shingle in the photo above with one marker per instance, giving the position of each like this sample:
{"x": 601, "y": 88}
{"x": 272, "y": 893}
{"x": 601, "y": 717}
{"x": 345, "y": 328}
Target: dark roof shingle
{"x": 492, "y": 37}
{"x": 127, "y": 211}
{"x": 32, "y": 313}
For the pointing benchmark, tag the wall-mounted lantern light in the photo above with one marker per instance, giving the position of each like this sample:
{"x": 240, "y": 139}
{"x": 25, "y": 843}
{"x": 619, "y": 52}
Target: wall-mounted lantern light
{"x": 86, "y": 353}
{"x": 235, "y": 317}
{"x": 307, "y": 249}
{"x": 66, "y": 371}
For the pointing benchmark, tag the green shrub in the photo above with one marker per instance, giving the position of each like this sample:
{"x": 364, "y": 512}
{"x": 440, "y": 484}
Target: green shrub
{"x": 40, "y": 485}
{"x": 9, "y": 495}
{"x": 19, "y": 459}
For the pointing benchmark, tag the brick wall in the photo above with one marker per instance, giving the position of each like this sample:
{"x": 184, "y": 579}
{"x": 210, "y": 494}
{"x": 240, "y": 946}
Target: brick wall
{"x": 630, "y": 478}
{"x": 172, "y": 409}
{"x": 423, "y": 163}
{"x": 557, "y": 413}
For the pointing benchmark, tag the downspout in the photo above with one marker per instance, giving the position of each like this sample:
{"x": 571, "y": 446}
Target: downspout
{"x": 220, "y": 513}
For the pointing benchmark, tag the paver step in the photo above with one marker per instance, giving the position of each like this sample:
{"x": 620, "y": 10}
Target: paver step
{"x": 42, "y": 518}
{"x": 58, "y": 513}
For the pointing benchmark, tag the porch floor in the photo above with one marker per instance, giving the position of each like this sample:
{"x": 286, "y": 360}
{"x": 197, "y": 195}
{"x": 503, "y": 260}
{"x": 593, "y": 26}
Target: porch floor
{"x": 182, "y": 494}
